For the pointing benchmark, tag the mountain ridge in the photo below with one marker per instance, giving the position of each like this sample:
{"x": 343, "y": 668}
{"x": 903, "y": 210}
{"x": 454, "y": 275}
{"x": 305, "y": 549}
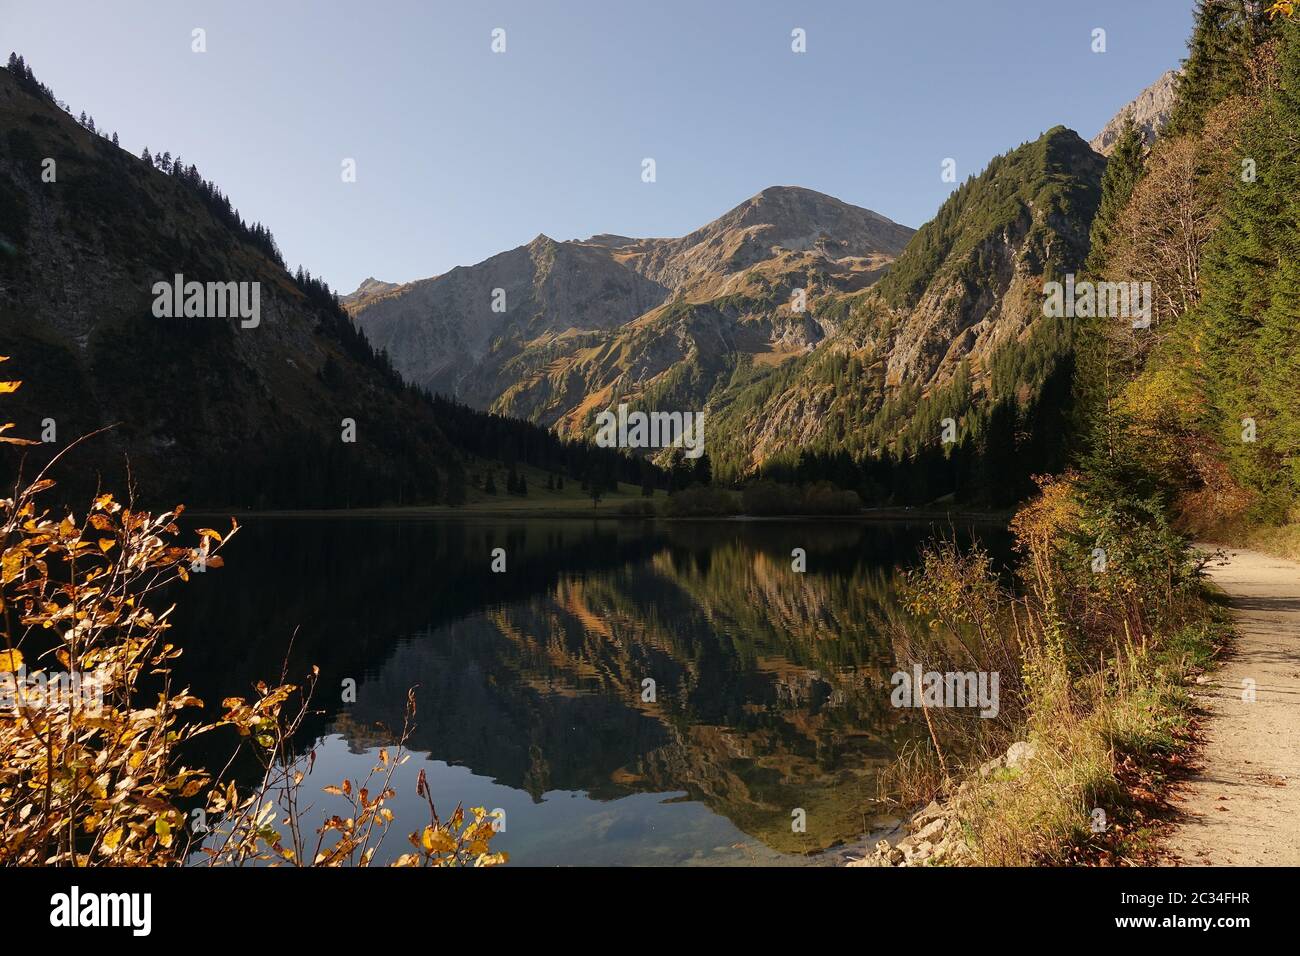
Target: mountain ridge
{"x": 567, "y": 302}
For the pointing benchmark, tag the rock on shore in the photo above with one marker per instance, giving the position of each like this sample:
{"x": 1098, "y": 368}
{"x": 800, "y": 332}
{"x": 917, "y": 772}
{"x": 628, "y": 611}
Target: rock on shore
{"x": 934, "y": 833}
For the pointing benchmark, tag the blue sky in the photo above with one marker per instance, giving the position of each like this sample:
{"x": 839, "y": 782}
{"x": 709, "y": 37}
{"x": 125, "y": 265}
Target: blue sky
{"x": 462, "y": 152}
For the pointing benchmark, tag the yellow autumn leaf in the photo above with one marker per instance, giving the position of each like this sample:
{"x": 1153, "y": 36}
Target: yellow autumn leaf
{"x": 113, "y": 839}
{"x": 10, "y": 661}
{"x": 437, "y": 840}
{"x": 11, "y": 565}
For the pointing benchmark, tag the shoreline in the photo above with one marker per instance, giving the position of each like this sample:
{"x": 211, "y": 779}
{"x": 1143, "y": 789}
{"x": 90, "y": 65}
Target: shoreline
{"x": 437, "y": 512}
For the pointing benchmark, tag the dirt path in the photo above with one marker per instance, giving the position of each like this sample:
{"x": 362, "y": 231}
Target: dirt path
{"x": 1243, "y": 808}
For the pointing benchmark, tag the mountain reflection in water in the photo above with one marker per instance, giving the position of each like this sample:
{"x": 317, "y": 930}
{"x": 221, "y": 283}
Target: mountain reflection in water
{"x": 770, "y": 687}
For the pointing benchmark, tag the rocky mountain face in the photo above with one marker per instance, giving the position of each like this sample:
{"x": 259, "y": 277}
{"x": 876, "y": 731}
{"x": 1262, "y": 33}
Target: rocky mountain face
{"x": 454, "y": 333}
{"x": 553, "y": 331}
{"x": 206, "y": 410}
{"x": 973, "y": 277}
{"x": 1150, "y": 111}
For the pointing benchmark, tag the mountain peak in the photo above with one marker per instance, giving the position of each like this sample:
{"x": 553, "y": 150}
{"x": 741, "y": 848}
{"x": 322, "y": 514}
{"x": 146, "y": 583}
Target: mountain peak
{"x": 370, "y": 286}
{"x": 791, "y": 192}
{"x": 792, "y": 198}
{"x": 795, "y": 218}
{"x": 1013, "y": 196}
{"x": 799, "y": 213}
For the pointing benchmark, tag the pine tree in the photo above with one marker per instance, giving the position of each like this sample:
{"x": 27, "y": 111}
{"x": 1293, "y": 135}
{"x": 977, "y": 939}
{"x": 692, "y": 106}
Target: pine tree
{"x": 1251, "y": 307}
{"x": 1123, "y": 170}
{"x": 1095, "y": 382}
{"x": 1218, "y": 62}
{"x": 680, "y": 470}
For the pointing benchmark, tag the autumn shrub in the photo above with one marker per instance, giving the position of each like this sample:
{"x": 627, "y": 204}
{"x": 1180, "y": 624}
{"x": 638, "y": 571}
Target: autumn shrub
{"x": 1093, "y": 646}
{"x": 765, "y": 497}
{"x": 93, "y": 730}
{"x": 965, "y": 625}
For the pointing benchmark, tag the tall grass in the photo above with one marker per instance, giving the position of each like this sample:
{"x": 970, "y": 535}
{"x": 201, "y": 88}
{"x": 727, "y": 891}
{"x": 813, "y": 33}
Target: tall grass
{"x": 1093, "y": 647}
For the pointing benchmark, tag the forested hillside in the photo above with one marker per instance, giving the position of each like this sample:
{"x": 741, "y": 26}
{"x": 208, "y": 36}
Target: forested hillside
{"x": 291, "y": 409}
{"x": 1206, "y": 403}
{"x": 955, "y": 331}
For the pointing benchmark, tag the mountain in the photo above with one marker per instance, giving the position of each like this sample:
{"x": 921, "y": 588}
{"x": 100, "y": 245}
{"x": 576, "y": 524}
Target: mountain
{"x": 798, "y": 323}
{"x": 284, "y": 405}
{"x": 898, "y": 327}
{"x": 582, "y": 323}
{"x": 954, "y": 326}
{"x": 1150, "y": 111}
